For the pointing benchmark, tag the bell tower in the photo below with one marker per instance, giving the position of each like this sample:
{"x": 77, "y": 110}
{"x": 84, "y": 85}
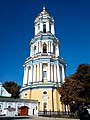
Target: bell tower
{"x": 44, "y": 69}
{"x": 44, "y": 23}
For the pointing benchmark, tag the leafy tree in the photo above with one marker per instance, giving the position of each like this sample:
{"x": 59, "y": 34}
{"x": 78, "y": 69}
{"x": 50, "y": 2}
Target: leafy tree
{"x": 83, "y": 75}
{"x": 12, "y": 88}
{"x": 70, "y": 90}
{"x": 76, "y": 88}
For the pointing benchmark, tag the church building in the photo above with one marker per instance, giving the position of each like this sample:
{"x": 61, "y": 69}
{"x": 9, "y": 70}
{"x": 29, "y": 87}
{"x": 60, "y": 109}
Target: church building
{"x": 44, "y": 69}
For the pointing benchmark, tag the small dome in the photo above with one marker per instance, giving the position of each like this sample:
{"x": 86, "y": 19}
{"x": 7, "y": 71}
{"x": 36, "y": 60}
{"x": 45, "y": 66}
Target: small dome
{"x": 44, "y": 11}
{"x": 44, "y": 14}
{"x": 44, "y": 22}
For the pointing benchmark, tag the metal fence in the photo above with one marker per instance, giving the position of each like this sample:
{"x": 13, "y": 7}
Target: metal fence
{"x": 53, "y": 114}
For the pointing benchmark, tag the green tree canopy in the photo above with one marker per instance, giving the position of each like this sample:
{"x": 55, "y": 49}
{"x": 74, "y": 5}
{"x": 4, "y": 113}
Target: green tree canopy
{"x": 12, "y": 88}
{"x": 76, "y": 87}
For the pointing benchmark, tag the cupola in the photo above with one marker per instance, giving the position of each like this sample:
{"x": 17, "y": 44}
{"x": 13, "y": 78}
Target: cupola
{"x": 44, "y": 22}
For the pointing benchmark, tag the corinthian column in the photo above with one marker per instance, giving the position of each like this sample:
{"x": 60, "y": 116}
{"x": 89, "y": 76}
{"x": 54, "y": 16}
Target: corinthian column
{"x": 55, "y": 80}
{"x": 40, "y": 72}
{"x": 47, "y": 26}
{"x": 25, "y": 82}
{"x": 58, "y": 73}
{"x": 31, "y": 73}
{"x": 49, "y": 46}
{"x": 49, "y": 72}
{"x": 52, "y": 72}
{"x": 39, "y": 46}
{"x": 41, "y": 26}
{"x": 52, "y": 47}
{"x": 34, "y": 76}
{"x": 63, "y": 74}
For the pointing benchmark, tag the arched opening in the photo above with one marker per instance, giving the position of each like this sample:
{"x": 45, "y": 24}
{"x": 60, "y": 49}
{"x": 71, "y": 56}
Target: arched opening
{"x": 44, "y": 48}
{"x": 53, "y": 48}
{"x": 23, "y": 111}
{"x": 33, "y": 111}
{"x": 44, "y": 28}
{"x": 45, "y": 107}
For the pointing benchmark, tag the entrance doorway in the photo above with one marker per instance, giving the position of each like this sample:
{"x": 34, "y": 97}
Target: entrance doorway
{"x": 45, "y": 107}
{"x": 23, "y": 111}
{"x": 33, "y": 111}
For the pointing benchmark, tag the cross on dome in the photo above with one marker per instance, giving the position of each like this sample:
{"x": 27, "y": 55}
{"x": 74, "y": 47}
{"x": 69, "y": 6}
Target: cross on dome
{"x": 44, "y": 10}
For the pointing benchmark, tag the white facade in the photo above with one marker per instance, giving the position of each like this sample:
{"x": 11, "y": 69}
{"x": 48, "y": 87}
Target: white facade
{"x": 44, "y": 49}
{"x": 44, "y": 68}
{"x": 14, "y": 104}
{"x": 3, "y": 92}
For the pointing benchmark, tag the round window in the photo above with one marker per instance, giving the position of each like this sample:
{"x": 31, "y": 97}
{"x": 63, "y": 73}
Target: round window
{"x": 44, "y": 92}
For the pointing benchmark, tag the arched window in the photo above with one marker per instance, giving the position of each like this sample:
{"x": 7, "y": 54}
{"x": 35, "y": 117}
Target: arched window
{"x": 53, "y": 48}
{"x": 45, "y": 106}
{"x": 44, "y": 48}
{"x": 38, "y": 26}
{"x": 35, "y": 48}
{"x": 44, "y": 28}
{"x": 9, "y": 106}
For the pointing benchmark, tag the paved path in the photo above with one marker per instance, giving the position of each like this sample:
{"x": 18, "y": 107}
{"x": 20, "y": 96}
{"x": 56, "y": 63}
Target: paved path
{"x": 48, "y": 118}
{"x": 32, "y": 118}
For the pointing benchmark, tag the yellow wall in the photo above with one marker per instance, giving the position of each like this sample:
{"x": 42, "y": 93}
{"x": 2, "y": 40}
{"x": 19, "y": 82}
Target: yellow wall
{"x": 23, "y": 96}
{"x": 52, "y": 98}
